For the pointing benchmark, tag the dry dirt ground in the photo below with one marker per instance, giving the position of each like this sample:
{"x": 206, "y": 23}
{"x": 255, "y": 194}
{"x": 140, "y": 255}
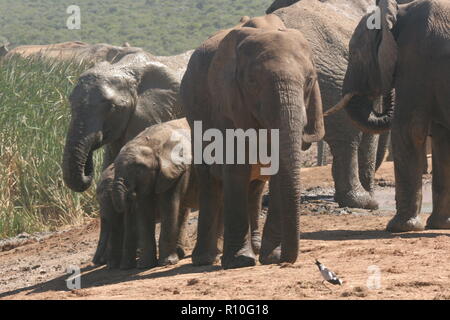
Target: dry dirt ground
{"x": 373, "y": 264}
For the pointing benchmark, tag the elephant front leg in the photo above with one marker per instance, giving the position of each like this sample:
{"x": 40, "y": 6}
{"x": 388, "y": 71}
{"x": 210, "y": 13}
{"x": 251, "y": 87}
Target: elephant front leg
{"x": 182, "y": 232}
{"x": 271, "y": 241}
{"x": 115, "y": 241}
{"x": 237, "y": 252}
{"x": 408, "y": 146}
{"x": 440, "y": 218}
{"x": 254, "y": 206}
{"x": 146, "y": 222}
{"x": 209, "y": 218}
{"x": 128, "y": 260}
{"x": 345, "y": 169}
{"x": 169, "y": 207}
{"x": 367, "y": 157}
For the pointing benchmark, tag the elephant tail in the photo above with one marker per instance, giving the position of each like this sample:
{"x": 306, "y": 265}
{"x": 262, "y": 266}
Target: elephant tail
{"x": 383, "y": 144}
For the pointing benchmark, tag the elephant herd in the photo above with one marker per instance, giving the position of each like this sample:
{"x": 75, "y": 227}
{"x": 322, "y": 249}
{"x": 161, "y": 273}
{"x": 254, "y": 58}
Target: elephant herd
{"x": 283, "y": 72}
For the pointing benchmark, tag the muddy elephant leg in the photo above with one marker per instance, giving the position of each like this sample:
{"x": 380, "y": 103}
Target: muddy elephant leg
{"x": 146, "y": 222}
{"x": 115, "y": 241}
{"x": 440, "y": 218}
{"x": 237, "y": 249}
{"x": 129, "y": 246}
{"x": 271, "y": 240}
{"x": 408, "y": 146}
{"x": 209, "y": 218}
{"x": 107, "y": 212}
{"x": 367, "y": 156}
{"x": 254, "y": 208}
{"x": 345, "y": 169}
{"x": 182, "y": 232}
{"x": 169, "y": 207}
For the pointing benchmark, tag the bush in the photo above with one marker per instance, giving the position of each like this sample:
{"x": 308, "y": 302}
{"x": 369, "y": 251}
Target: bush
{"x": 34, "y": 117}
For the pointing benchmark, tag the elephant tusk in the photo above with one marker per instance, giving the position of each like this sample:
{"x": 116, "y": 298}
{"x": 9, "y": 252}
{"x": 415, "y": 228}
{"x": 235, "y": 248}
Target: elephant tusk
{"x": 341, "y": 105}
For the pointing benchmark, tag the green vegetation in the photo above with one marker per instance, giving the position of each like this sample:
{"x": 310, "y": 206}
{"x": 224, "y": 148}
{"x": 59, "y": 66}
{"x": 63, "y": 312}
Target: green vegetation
{"x": 163, "y": 27}
{"x": 34, "y": 116}
{"x": 34, "y": 113}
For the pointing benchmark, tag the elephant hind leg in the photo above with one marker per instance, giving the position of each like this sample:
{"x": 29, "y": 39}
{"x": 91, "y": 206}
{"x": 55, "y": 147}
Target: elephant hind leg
{"x": 408, "y": 144}
{"x": 345, "y": 169}
{"x": 440, "y": 218}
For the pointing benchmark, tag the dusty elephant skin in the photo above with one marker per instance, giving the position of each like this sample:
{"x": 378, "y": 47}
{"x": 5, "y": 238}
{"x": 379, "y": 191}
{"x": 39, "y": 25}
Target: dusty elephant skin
{"x": 356, "y": 155}
{"x": 253, "y": 78}
{"x": 111, "y": 104}
{"x": 75, "y": 50}
{"x": 408, "y": 62}
{"x": 150, "y": 187}
{"x": 147, "y": 186}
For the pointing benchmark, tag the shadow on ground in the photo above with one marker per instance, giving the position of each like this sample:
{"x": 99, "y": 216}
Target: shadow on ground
{"x": 92, "y": 276}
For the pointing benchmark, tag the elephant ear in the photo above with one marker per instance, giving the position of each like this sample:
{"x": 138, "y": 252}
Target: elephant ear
{"x": 314, "y": 129}
{"x": 223, "y": 74}
{"x": 158, "y": 85}
{"x": 387, "y": 50}
{"x": 174, "y": 160}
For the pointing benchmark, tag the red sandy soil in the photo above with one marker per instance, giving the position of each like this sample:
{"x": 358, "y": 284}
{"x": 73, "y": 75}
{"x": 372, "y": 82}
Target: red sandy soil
{"x": 412, "y": 265}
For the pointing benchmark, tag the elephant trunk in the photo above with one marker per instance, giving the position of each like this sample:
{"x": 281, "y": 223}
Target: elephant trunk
{"x": 289, "y": 179}
{"x": 123, "y": 189}
{"x": 361, "y": 112}
{"x": 78, "y": 164}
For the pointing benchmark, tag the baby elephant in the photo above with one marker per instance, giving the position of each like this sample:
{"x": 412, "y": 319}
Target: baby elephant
{"x": 153, "y": 182}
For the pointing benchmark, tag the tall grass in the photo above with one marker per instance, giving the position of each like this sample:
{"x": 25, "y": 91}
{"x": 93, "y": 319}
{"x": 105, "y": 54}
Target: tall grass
{"x": 34, "y": 117}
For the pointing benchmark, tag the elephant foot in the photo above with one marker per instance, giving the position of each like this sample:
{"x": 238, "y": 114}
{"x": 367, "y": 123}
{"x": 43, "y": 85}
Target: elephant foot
{"x": 244, "y": 258}
{"x": 273, "y": 257}
{"x": 204, "y": 259}
{"x": 357, "y": 200}
{"x": 256, "y": 243}
{"x": 169, "y": 260}
{"x": 438, "y": 222}
{"x": 113, "y": 264}
{"x": 147, "y": 262}
{"x": 400, "y": 224}
{"x": 99, "y": 260}
{"x": 127, "y": 264}
{"x": 181, "y": 253}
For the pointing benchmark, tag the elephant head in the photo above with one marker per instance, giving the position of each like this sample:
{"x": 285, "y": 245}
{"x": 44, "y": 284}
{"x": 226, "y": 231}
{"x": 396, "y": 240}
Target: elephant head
{"x": 146, "y": 164}
{"x": 277, "y": 4}
{"x": 102, "y": 104}
{"x": 267, "y": 79}
{"x": 371, "y": 69}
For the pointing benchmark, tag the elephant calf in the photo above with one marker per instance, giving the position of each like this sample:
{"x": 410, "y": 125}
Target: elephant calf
{"x": 152, "y": 180}
{"x": 146, "y": 184}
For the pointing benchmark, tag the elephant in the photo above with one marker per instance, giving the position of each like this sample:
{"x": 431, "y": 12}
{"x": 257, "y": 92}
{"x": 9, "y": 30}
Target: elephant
{"x": 111, "y": 104}
{"x": 251, "y": 78}
{"x": 137, "y": 184}
{"x": 328, "y": 26}
{"x": 75, "y": 50}
{"x": 150, "y": 185}
{"x": 407, "y": 62}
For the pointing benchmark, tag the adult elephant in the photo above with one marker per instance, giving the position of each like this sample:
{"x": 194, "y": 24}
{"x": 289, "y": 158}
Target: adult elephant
{"x": 242, "y": 79}
{"x": 111, "y": 104}
{"x": 407, "y": 61}
{"x": 328, "y": 26}
{"x": 75, "y": 50}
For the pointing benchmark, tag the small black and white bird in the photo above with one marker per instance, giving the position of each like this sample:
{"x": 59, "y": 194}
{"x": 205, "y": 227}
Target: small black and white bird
{"x": 328, "y": 275}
